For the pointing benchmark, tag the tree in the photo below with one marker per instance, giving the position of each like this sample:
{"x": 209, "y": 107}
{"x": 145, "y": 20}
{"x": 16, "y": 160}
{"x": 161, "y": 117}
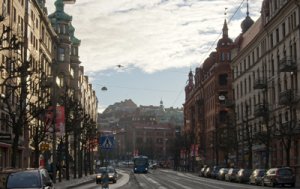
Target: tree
{"x": 20, "y": 99}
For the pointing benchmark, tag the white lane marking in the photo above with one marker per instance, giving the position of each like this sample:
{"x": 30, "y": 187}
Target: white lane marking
{"x": 154, "y": 182}
{"x": 191, "y": 175}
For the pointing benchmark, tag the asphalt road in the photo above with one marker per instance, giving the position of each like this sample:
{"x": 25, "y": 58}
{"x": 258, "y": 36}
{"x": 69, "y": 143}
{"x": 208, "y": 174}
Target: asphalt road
{"x": 168, "y": 179}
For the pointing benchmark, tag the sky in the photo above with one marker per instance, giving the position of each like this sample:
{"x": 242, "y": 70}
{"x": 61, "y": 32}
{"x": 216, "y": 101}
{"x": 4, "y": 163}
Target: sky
{"x": 144, "y": 49}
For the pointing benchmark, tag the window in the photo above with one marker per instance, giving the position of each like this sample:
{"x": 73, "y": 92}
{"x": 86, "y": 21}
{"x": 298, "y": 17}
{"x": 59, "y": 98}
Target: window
{"x": 277, "y": 35}
{"x": 223, "y": 79}
{"x": 283, "y": 29}
{"x": 61, "y": 54}
{"x": 271, "y": 40}
{"x": 15, "y": 14}
{"x": 37, "y": 23}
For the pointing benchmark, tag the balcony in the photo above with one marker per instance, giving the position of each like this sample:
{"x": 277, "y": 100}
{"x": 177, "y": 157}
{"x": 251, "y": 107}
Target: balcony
{"x": 287, "y": 97}
{"x": 287, "y": 64}
{"x": 260, "y": 110}
{"x": 260, "y": 83}
{"x": 227, "y": 103}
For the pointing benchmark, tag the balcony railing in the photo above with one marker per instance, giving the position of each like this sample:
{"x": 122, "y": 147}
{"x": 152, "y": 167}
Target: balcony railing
{"x": 260, "y": 110}
{"x": 260, "y": 83}
{"x": 287, "y": 97}
{"x": 287, "y": 64}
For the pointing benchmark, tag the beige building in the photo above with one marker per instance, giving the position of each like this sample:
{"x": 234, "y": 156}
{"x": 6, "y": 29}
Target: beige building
{"x": 40, "y": 67}
{"x": 266, "y": 88}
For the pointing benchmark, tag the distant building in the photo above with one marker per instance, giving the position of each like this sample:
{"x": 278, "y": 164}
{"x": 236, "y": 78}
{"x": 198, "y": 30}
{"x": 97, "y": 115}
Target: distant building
{"x": 136, "y": 127}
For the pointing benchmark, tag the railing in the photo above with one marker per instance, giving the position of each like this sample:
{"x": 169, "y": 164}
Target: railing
{"x": 287, "y": 64}
{"x": 260, "y": 110}
{"x": 260, "y": 83}
{"x": 287, "y": 97}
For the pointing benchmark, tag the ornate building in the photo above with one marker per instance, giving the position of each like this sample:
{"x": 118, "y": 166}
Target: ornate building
{"x": 40, "y": 70}
{"x": 205, "y": 110}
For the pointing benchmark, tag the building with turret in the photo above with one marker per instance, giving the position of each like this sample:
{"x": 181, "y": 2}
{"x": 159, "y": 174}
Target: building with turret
{"x": 205, "y": 110}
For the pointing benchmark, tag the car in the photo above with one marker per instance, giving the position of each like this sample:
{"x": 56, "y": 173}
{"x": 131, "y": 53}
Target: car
{"x": 243, "y": 175}
{"x": 112, "y": 174}
{"x": 99, "y": 174}
{"x": 153, "y": 166}
{"x": 111, "y": 171}
{"x": 221, "y": 174}
{"x": 202, "y": 171}
{"x": 279, "y": 176}
{"x": 207, "y": 172}
{"x": 257, "y": 176}
{"x": 30, "y": 178}
{"x": 231, "y": 174}
{"x": 214, "y": 172}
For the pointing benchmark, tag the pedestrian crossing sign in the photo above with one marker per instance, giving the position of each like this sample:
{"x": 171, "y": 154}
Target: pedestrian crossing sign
{"x": 106, "y": 142}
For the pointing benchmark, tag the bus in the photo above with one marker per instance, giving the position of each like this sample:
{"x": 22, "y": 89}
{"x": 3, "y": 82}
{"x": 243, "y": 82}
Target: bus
{"x": 140, "y": 164}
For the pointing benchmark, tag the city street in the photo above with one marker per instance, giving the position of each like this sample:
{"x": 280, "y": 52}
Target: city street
{"x": 168, "y": 179}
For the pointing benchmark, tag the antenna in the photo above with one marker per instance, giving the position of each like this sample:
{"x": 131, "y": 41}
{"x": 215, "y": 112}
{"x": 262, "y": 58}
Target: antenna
{"x": 247, "y": 8}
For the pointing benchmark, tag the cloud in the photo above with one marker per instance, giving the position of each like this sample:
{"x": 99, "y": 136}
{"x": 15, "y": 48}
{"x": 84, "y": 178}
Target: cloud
{"x": 151, "y": 35}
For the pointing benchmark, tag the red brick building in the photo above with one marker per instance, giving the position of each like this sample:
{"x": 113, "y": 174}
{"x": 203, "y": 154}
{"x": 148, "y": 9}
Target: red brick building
{"x": 206, "y": 109}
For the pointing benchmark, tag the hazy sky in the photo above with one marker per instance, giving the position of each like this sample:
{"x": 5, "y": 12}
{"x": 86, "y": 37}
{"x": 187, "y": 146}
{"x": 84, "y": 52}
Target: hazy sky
{"x": 156, "y": 42}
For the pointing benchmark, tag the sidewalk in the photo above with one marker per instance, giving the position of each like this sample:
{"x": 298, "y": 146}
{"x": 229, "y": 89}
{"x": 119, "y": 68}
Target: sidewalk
{"x": 64, "y": 184}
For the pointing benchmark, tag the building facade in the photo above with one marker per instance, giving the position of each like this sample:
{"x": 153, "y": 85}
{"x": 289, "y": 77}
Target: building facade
{"x": 40, "y": 70}
{"x": 206, "y": 111}
{"x": 266, "y": 87}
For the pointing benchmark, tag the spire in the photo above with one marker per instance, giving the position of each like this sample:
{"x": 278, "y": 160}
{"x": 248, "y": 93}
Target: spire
{"x": 247, "y": 8}
{"x": 247, "y": 22}
{"x": 59, "y": 4}
{"x": 225, "y": 27}
{"x": 191, "y": 77}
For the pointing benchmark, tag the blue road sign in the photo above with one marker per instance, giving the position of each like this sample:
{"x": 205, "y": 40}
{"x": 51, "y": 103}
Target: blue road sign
{"x": 106, "y": 142}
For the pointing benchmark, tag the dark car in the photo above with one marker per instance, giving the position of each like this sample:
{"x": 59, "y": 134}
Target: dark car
{"x": 221, "y": 174}
{"x": 99, "y": 174}
{"x": 110, "y": 171}
{"x": 231, "y": 175}
{"x": 243, "y": 175}
{"x": 31, "y": 178}
{"x": 112, "y": 174}
{"x": 279, "y": 176}
{"x": 215, "y": 171}
{"x": 257, "y": 176}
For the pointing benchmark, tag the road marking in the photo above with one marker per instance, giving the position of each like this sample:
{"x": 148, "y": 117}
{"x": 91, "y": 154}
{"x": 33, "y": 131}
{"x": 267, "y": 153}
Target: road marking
{"x": 154, "y": 182}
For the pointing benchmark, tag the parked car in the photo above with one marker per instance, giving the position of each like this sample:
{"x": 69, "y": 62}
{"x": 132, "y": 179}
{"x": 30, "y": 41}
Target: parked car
{"x": 214, "y": 172}
{"x": 257, "y": 176}
{"x": 243, "y": 175}
{"x": 279, "y": 176}
{"x": 30, "y": 178}
{"x": 221, "y": 174}
{"x": 207, "y": 172}
{"x": 231, "y": 175}
{"x": 202, "y": 171}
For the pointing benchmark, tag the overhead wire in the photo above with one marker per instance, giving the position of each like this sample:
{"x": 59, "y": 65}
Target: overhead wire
{"x": 213, "y": 44}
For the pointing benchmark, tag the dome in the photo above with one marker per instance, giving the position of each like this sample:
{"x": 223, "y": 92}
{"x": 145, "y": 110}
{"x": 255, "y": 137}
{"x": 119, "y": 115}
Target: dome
{"x": 246, "y": 24}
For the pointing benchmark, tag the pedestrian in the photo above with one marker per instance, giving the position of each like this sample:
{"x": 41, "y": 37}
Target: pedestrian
{"x": 105, "y": 180}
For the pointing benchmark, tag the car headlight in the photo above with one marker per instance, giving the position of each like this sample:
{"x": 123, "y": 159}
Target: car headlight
{"x": 135, "y": 168}
{"x": 98, "y": 176}
{"x": 146, "y": 169}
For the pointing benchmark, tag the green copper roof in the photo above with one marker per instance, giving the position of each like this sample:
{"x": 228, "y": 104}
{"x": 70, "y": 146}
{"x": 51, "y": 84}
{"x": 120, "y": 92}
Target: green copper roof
{"x": 74, "y": 40}
{"x": 59, "y": 13}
